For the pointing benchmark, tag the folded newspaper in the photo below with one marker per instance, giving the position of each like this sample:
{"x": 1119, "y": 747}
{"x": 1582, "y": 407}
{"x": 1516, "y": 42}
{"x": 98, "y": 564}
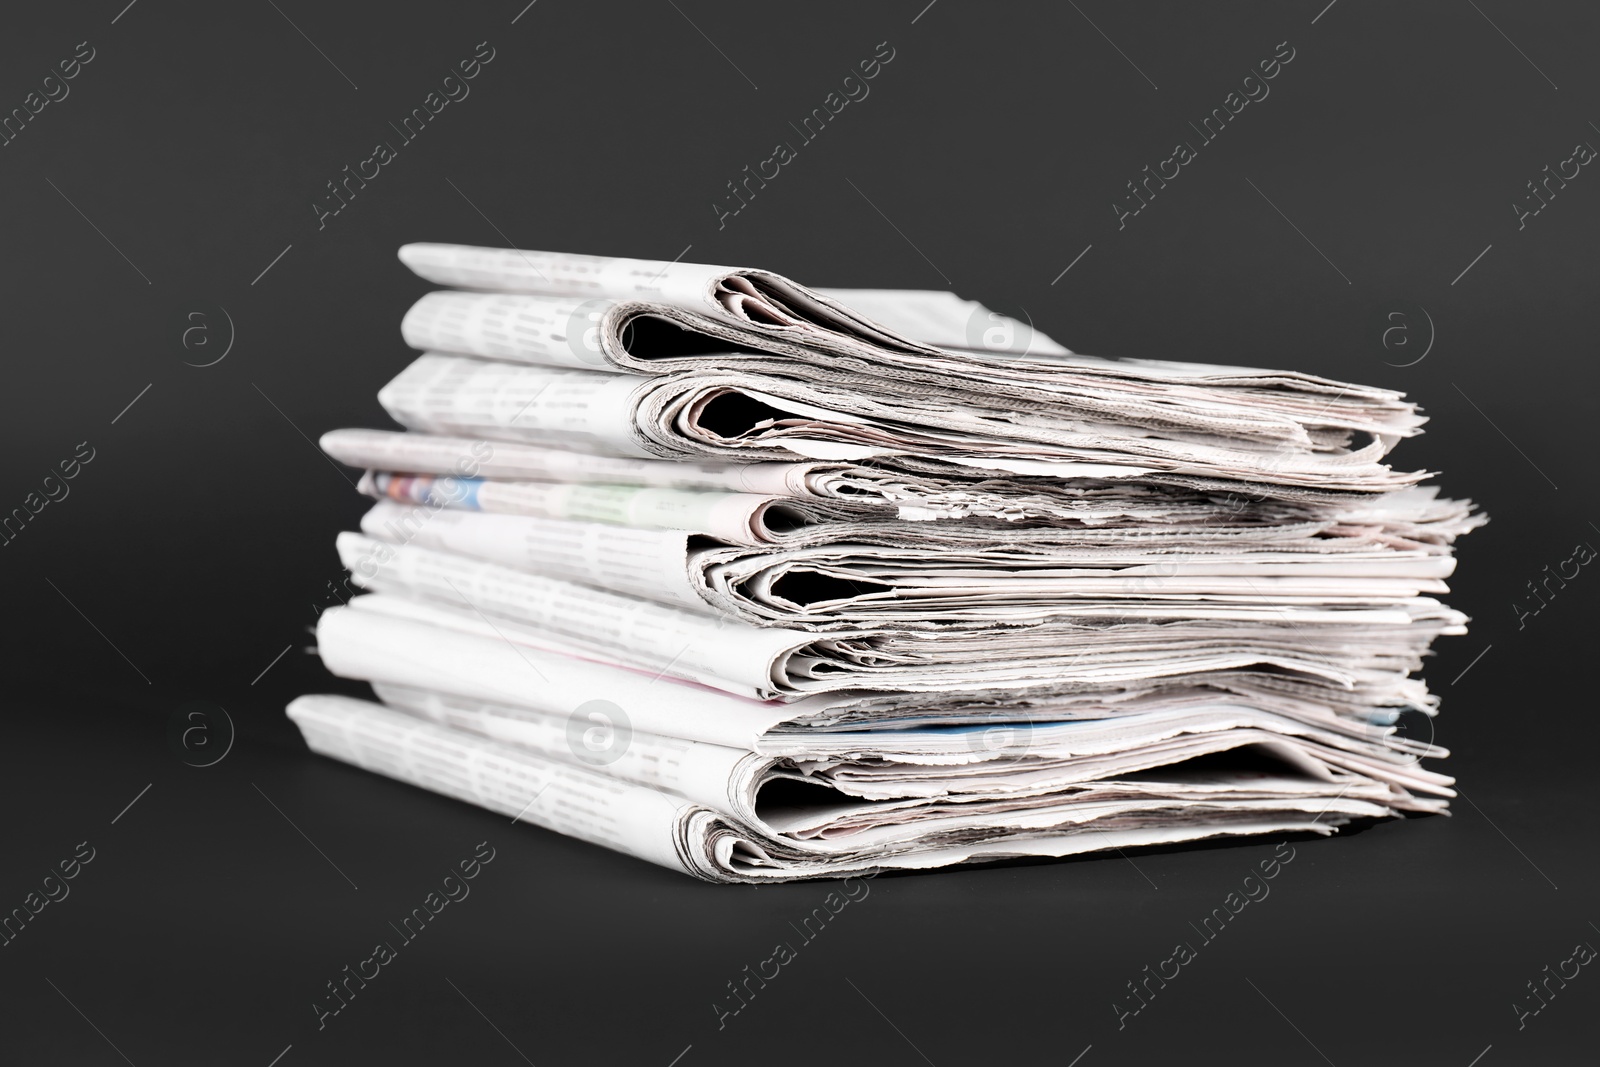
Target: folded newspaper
{"x": 761, "y": 582}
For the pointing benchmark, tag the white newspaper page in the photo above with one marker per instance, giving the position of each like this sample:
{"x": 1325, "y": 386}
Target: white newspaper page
{"x": 599, "y": 808}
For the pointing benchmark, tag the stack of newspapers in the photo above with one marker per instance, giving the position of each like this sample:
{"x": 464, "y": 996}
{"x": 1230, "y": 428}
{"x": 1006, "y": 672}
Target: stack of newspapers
{"x": 763, "y": 582}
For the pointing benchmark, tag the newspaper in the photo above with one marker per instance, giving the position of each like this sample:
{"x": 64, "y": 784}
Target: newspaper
{"x": 409, "y": 642}
{"x": 965, "y": 763}
{"x": 856, "y": 572}
{"x": 391, "y": 639}
{"x": 1139, "y": 510}
{"x": 579, "y": 311}
{"x": 696, "y": 414}
{"x": 682, "y": 821}
{"x": 917, "y": 488}
{"x": 1361, "y": 669}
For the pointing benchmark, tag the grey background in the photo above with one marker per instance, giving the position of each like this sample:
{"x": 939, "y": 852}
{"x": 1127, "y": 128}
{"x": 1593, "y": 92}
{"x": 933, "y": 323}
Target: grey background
{"x": 198, "y": 543}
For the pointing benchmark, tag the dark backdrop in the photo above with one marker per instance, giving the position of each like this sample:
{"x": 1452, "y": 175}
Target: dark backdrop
{"x": 164, "y": 207}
